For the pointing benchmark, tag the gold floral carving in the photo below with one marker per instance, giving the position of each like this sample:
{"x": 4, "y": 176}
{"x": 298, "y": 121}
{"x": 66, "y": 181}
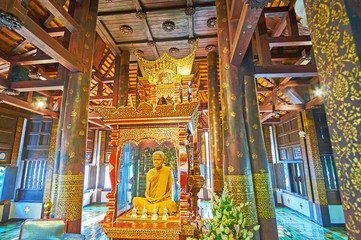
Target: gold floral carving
{"x": 158, "y": 134}
{"x": 314, "y": 159}
{"x": 241, "y": 189}
{"x": 264, "y": 195}
{"x": 145, "y": 111}
{"x": 70, "y": 196}
{"x": 339, "y": 68}
{"x": 181, "y": 66}
{"x": 165, "y": 90}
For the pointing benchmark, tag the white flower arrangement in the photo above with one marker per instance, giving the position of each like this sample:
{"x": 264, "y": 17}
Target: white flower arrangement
{"x": 228, "y": 222}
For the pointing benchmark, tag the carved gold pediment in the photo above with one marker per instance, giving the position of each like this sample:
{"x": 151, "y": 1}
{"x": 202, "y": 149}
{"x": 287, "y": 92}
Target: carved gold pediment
{"x": 146, "y": 112}
{"x": 166, "y": 69}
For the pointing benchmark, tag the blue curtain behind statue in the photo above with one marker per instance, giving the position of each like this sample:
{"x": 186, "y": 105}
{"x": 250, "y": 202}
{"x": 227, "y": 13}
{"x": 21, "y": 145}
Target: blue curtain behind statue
{"x": 126, "y": 173}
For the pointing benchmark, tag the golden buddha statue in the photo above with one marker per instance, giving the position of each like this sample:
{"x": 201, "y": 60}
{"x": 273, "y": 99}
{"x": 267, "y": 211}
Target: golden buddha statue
{"x": 158, "y": 188}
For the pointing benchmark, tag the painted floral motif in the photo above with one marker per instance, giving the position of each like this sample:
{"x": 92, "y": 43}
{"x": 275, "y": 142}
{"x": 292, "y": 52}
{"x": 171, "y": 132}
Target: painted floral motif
{"x": 339, "y": 70}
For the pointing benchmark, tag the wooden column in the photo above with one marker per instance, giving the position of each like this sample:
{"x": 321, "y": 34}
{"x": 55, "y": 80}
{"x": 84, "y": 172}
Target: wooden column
{"x": 215, "y": 134}
{"x": 306, "y": 166}
{"x": 260, "y": 170}
{"x": 337, "y": 57}
{"x": 74, "y": 130}
{"x": 50, "y": 163}
{"x": 121, "y": 79}
{"x": 316, "y": 172}
{"x": 267, "y": 141}
{"x": 62, "y": 74}
{"x": 236, "y": 161}
{"x": 17, "y": 140}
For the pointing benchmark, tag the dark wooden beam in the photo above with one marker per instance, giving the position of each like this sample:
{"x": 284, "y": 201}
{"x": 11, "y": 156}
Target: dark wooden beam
{"x": 275, "y": 11}
{"x": 289, "y": 41}
{"x": 113, "y": 15}
{"x": 107, "y": 38}
{"x": 5, "y": 58}
{"x": 19, "y": 47}
{"x": 4, "y": 83}
{"x": 302, "y": 61}
{"x": 292, "y": 107}
{"x": 94, "y": 115}
{"x": 266, "y": 116}
{"x": 271, "y": 121}
{"x": 262, "y": 43}
{"x": 51, "y": 17}
{"x": 101, "y": 98}
{"x": 164, "y": 40}
{"x": 56, "y": 32}
{"x": 286, "y": 71}
{"x": 265, "y": 108}
{"x": 243, "y": 34}
{"x": 31, "y": 31}
{"x": 97, "y": 122}
{"x": 314, "y": 102}
{"x": 37, "y": 85}
{"x": 26, "y": 106}
{"x": 63, "y": 16}
{"x": 264, "y": 90}
{"x": 34, "y": 60}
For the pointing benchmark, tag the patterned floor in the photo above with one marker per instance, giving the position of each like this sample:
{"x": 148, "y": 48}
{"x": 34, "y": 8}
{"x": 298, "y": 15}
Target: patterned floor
{"x": 290, "y": 226}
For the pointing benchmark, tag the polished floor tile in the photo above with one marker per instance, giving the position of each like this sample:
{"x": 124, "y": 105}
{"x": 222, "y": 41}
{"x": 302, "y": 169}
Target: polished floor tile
{"x": 291, "y": 225}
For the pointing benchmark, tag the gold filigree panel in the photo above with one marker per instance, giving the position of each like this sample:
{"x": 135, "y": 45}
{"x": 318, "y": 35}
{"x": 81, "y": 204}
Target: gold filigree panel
{"x": 241, "y": 189}
{"x": 158, "y": 134}
{"x": 145, "y": 111}
{"x": 70, "y": 197}
{"x": 264, "y": 195}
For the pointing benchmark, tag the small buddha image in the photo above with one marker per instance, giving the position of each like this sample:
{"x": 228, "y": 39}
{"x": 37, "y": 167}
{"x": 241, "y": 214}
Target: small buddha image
{"x": 158, "y": 188}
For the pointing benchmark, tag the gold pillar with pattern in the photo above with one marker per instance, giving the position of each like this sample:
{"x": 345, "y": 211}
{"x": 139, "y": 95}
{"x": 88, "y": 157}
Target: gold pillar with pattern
{"x": 215, "y": 133}
{"x": 259, "y": 163}
{"x": 236, "y": 160}
{"x": 335, "y": 33}
{"x": 70, "y": 174}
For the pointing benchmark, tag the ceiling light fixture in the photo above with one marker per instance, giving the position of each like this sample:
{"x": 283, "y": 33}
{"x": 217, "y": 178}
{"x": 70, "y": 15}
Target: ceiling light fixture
{"x": 318, "y": 92}
{"x": 173, "y": 51}
{"x": 212, "y": 22}
{"x": 168, "y": 26}
{"x": 211, "y": 48}
{"x": 125, "y": 29}
{"x": 40, "y": 104}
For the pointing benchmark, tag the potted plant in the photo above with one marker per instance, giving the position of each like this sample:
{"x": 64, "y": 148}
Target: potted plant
{"x": 228, "y": 222}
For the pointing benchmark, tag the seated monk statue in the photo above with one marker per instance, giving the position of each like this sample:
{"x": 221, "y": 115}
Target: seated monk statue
{"x": 158, "y": 188}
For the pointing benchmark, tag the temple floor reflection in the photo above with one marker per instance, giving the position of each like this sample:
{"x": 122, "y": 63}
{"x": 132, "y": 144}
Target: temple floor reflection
{"x": 291, "y": 225}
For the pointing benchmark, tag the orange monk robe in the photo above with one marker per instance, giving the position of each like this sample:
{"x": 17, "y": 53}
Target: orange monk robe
{"x": 158, "y": 192}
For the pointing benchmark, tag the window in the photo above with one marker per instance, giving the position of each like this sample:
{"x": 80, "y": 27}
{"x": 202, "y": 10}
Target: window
{"x": 209, "y": 164}
{"x": 291, "y": 174}
{"x": 329, "y": 171}
{"x": 86, "y": 177}
{"x": 107, "y": 184}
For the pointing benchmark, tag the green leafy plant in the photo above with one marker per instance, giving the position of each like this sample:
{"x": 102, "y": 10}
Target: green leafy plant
{"x": 228, "y": 222}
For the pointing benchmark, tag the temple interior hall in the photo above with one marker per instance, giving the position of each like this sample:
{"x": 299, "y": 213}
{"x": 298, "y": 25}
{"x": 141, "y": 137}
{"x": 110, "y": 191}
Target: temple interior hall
{"x": 180, "y": 119}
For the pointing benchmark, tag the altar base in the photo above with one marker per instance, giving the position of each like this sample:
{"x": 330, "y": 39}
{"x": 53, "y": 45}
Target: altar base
{"x": 145, "y": 229}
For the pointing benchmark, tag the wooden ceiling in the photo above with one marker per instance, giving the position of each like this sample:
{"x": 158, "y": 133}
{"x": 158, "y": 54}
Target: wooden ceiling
{"x": 281, "y": 46}
{"x": 148, "y": 28}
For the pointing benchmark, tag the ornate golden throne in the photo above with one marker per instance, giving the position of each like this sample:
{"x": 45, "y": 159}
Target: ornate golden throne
{"x": 164, "y": 119}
